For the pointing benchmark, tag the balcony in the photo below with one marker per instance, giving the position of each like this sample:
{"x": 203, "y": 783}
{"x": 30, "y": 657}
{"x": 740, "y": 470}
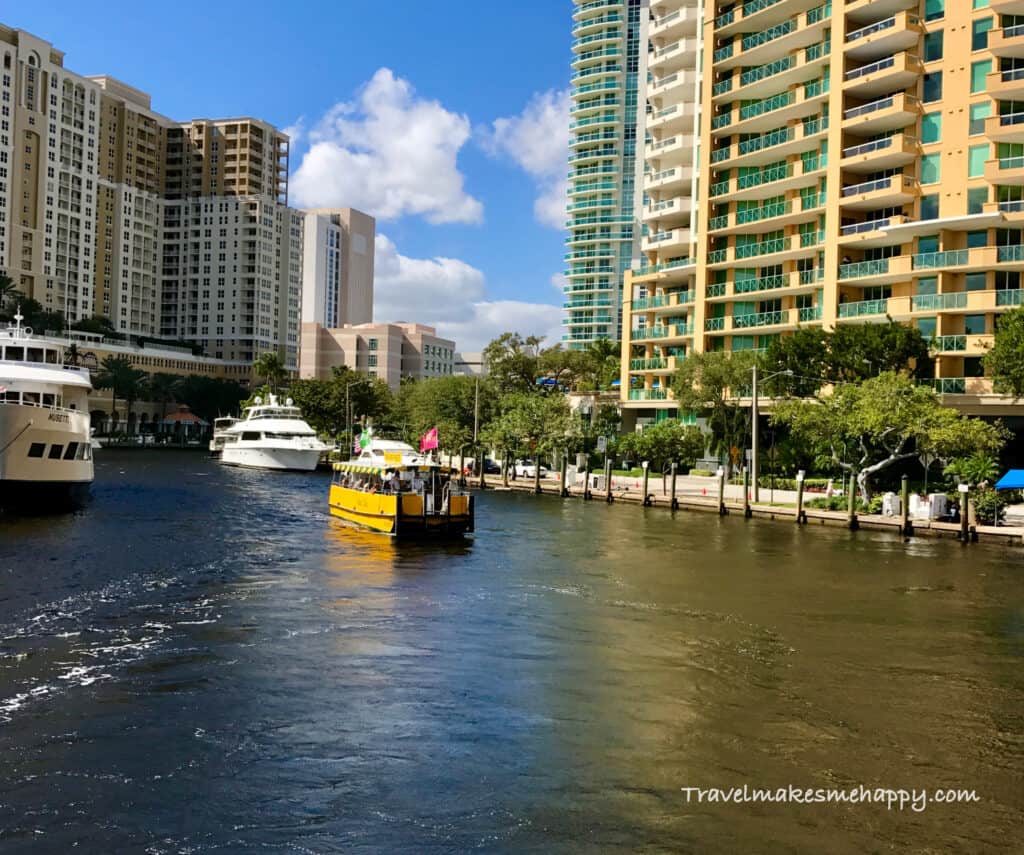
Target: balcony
{"x": 675, "y": 117}
{"x": 685, "y": 20}
{"x": 1005, "y": 170}
{"x": 667, "y": 241}
{"x": 671, "y": 211}
{"x": 1006, "y": 85}
{"x": 878, "y": 271}
{"x": 674, "y": 178}
{"x": 676, "y": 149}
{"x": 654, "y": 365}
{"x": 673, "y": 56}
{"x": 648, "y": 394}
{"x": 673, "y": 88}
{"x": 760, "y": 14}
{"x": 863, "y": 308}
{"x": 767, "y": 42}
{"x": 1007, "y": 42}
{"x": 769, "y": 113}
{"x": 879, "y": 155}
{"x": 891, "y": 192}
{"x": 1007, "y": 127}
{"x": 878, "y": 78}
{"x": 894, "y": 33}
{"x": 1008, "y": 7}
{"x": 891, "y": 113}
{"x": 773, "y": 181}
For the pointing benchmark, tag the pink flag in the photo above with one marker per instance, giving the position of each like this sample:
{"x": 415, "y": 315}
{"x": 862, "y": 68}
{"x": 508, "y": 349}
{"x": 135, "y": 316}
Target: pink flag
{"x": 429, "y": 440}
{"x": 356, "y": 447}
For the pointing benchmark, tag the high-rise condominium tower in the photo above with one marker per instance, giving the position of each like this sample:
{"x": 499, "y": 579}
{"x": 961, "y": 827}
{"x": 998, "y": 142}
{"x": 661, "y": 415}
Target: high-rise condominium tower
{"x": 609, "y": 61}
{"x": 859, "y": 160}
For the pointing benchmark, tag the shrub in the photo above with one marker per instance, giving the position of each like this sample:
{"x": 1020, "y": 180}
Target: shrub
{"x": 989, "y": 506}
{"x": 701, "y": 473}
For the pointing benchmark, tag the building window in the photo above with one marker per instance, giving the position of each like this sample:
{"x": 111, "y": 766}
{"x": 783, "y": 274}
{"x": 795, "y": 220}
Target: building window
{"x": 979, "y": 71}
{"x": 930, "y": 207}
{"x": 976, "y": 157}
{"x": 979, "y": 34}
{"x": 933, "y": 46}
{"x": 934, "y": 9}
{"x": 371, "y": 360}
{"x": 933, "y": 86}
{"x": 979, "y": 112}
{"x": 931, "y": 169}
{"x": 373, "y": 344}
{"x": 931, "y": 127}
{"x": 976, "y": 199}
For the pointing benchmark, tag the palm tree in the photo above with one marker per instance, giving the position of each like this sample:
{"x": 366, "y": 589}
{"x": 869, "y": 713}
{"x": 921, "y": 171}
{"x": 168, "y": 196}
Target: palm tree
{"x": 270, "y": 367}
{"x": 117, "y": 375}
{"x": 163, "y": 388}
{"x": 8, "y": 291}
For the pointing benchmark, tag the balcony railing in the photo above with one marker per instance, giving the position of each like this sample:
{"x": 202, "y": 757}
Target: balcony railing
{"x": 868, "y": 147}
{"x": 650, "y": 332}
{"x": 949, "y": 258}
{"x": 762, "y": 247}
{"x": 949, "y": 343}
{"x": 764, "y": 212}
{"x": 871, "y": 267}
{"x": 760, "y": 72}
{"x": 765, "y": 176}
{"x": 862, "y": 308}
{"x": 870, "y": 68}
{"x": 947, "y": 385}
{"x": 933, "y": 302}
{"x": 752, "y": 40}
{"x": 760, "y": 319}
{"x": 762, "y": 283}
{"x": 648, "y": 394}
{"x": 1010, "y": 297}
{"x": 649, "y": 303}
{"x": 776, "y": 102}
{"x": 870, "y": 29}
{"x": 714, "y": 324}
{"x": 652, "y": 364}
{"x": 1010, "y": 253}
{"x": 809, "y": 313}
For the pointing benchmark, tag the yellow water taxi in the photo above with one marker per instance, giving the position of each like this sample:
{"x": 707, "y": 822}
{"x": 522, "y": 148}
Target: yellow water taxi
{"x": 393, "y": 489}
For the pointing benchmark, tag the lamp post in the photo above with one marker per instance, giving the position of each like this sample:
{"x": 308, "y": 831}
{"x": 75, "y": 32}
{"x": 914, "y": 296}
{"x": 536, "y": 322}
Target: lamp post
{"x": 348, "y": 412}
{"x": 753, "y": 426}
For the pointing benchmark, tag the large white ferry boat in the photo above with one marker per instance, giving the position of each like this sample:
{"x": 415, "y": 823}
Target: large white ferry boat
{"x": 271, "y": 436}
{"x": 45, "y": 448}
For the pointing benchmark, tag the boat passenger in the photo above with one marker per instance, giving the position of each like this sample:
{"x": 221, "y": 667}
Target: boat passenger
{"x": 417, "y": 483}
{"x": 395, "y": 483}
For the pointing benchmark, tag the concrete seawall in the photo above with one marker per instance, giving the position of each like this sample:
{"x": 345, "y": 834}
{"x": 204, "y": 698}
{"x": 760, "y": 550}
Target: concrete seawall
{"x": 734, "y": 505}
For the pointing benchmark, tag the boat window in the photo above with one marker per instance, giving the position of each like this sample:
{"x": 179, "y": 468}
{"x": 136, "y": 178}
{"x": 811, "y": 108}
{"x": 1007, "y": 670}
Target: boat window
{"x": 11, "y": 397}
{"x": 35, "y": 354}
{"x": 49, "y": 400}
{"x": 83, "y": 451}
{"x": 14, "y": 354}
{"x": 72, "y": 451}
{"x": 56, "y": 451}
{"x": 51, "y": 357}
{"x": 250, "y": 434}
{"x": 30, "y": 398}
{"x": 36, "y": 449}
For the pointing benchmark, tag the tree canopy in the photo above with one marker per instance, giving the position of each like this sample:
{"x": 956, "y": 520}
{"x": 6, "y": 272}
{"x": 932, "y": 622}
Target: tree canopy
{"x": 1005, "y": 361}
{"x": 864, "y": 428}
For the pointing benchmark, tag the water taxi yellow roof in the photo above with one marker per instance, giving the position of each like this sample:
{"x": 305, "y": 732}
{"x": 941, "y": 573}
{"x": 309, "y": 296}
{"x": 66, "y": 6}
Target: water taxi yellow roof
{"x": 366, "y": 469}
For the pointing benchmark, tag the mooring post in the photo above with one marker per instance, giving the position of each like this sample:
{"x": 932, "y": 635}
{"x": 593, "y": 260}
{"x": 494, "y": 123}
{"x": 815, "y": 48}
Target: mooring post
{"x": 586, "y": 481}
{"x": 746, "y": 493}
{"x": 906, "y": 526}
{"x": 722, "y": 509}
{"x": 565, "y": 469}
{"x": 647, "y": 475}
{"x": 851, "y": 508}
{"x": 608, "y": 497}
{"x": 965, "y": 507}
{"x": 801, "y": 517}
{"x": 675, "y": 502}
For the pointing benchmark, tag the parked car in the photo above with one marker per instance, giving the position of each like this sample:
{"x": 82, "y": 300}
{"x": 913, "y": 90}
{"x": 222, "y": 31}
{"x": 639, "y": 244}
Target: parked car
{"x": 528, "y": 469}
{"x": 489, "y": 467}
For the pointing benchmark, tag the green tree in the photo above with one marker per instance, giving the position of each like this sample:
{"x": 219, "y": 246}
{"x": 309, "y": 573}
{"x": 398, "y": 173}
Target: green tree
{"x": 117, "y": 374}
{"x": 710, "y": 383}
{"x": 270, "y": 367}
{"x": 569, "y": 368}
{"x": 447, "y": 403}
{"x": 163, "y": 388}
{"x": 605, "y": 362}
{"x": 210, "y": 397}
{"x": 513, "y": 363}
{"x": 95, "y": 324}
{"x": 664, "y": 443}
{"x": 980, "y": 468}
{"x": 538, "y": 423}
{"x": 806, "y": 354}
{"x": 1005, "y": 361}
{"x": 865, "y": 428}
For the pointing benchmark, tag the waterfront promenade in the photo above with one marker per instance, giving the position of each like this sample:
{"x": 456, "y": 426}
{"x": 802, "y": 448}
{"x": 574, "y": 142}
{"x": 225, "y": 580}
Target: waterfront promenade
{"x": 701, "y": 494}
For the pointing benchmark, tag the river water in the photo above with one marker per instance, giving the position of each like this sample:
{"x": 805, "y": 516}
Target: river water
{"x": 203, "y": 661}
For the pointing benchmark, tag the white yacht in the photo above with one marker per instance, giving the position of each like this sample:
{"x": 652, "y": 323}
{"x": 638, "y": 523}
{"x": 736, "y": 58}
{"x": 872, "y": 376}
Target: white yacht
{"x": 220, "y": 428}
{"x": 272, "y": 436}
{"x": 45, "y": 448}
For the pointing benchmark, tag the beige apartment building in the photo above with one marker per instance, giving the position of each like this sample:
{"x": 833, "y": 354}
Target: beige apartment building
{"x": 858, "y": 160}
{"x": 389, "y": 352}
{"x": 337, "y": 267}
{"x": 173, "y": 229}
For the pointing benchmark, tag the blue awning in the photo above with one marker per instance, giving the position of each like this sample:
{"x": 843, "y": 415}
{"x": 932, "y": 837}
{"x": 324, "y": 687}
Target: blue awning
{"x": 1012, "y": 480}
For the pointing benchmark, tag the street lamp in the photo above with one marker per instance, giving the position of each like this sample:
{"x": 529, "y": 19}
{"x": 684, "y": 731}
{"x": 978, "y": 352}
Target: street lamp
{"x": 753, "y": 427}
{"x": 348, "y": 413}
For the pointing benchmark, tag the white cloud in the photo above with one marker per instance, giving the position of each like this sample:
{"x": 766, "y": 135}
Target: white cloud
{"x": 537, "y": 140}
{"x": 296, "y": 131}
{"x": 451, "y": 295}
{"x": 389, "y": 153}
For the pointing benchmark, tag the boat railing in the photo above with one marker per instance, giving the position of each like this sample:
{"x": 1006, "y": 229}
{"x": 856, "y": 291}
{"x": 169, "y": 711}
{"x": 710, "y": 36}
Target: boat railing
{"x": 38, "y": 404}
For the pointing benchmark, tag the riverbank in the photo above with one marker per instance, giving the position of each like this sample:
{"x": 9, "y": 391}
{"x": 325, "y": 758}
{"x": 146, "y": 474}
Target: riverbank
{"x": 702, "y": 497}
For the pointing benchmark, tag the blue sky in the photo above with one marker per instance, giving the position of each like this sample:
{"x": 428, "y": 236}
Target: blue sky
{"x": 398, "y": 103}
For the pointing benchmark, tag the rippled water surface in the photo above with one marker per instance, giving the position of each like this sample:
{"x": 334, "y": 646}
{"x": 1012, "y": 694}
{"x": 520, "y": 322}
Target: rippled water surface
{"x": 203, "y": 661}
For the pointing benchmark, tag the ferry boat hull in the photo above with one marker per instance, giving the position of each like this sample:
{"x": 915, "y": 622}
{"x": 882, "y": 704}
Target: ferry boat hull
{"x": 402, "y": 515}
{"x": 295, "y": 459}
{"x": 45, "y": 458}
